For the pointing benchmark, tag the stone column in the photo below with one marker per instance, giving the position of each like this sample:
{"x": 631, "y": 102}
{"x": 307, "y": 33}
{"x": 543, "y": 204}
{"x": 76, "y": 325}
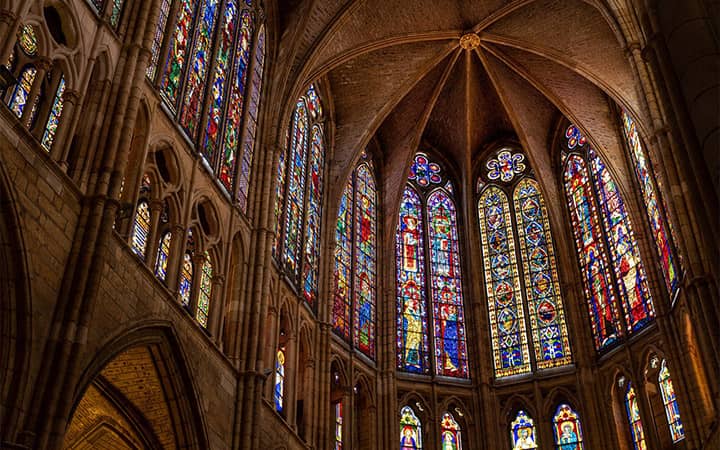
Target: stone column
{"x": 291, "y": 385}
{"x": 152, "y": 244}
{"x": 215, "y": 313}
{"x": 7, "y": 19}
{"x": 42, "y": 66}
{"x": 61, "y": 144}
{"x": 176, "y": 257}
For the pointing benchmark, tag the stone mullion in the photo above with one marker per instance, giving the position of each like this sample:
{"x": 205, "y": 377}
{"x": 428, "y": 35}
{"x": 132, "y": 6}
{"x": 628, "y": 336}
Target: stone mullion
{"x": 153, "y": 238}
{"x": 42, "y": 66}
{"x": 52, "y": 404}
{"x": 216, "y": 307}
{"x": 291, "y": 380}
{"x": 61, "y": 143}
{"x": 176, "y": 257}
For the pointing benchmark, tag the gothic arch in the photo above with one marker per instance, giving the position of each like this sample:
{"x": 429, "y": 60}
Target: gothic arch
{"x": 176, "y": 378}
{"x": 15, "y": 311}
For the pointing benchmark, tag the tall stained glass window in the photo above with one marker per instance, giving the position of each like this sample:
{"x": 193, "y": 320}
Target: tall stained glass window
{"x": 201, "y": 55}
{"x": 141, "y": 228}
{"x": 20, "y": 94}
{"x": 162, "y": 256}
{"x": 654, "y": 207}
{"x": 299, "y": 198}
{"x": 568, "y": 431}
{"x": 338, "y": 426}
{"x": 426, "y": 204}
{"x": 521, "y": 277}
{"x": 410, "y": 430}
{"x": 609, "y": 257}
{"x": 279, "y": 391}
{"x": 672, "y": 412}
{"x": 450, "y": 433}
{"x": 633, "y": 413}
{"x": 355, "y": 260}
{"x": 54, "y": 118}
{"x": 205, "y": 293}
{"x": 186, "y": 279}
{"x": 522, "y": 432}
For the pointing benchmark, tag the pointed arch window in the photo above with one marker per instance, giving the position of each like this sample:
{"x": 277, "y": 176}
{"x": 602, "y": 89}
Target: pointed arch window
{"x": 568, "y": 430}
{"x": 279, "y": 391}
{"x": 410, "y": 430}
{"x": 522, "y": 432}
{"x": 338, "y": 426}
{"x": 205, "y": 293}
{"x": 520, "y": 269}
{"x": 672, "y": 412}
{"x": 654, "y": 208}
{"x": 633, "y": 414}
{"x": 300, "y": 190}
{"x": 162, "y": 256}
{"x": 19, "y": 97}
{"x": 53, "y": 121}
{"x": 356, "y": 260}
{"x": 428, "y": 204}
{"x": 608, "y": 254}
{"x": 202, "y": 55}
{"x": 141, "y": 228}
{"x": 186, "y": 277}
{"x": 450, "y": 433}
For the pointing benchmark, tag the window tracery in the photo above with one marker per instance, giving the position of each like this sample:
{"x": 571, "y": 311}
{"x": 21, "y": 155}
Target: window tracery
{"x": 441, "y": 280}
{"x": 298, "y": 207}
{"x": 605, "y": 244}
{"x": 521, "y": 277}
{"x": 212, "y": 40}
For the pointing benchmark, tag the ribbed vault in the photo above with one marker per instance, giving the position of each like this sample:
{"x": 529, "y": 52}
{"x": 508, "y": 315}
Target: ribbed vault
{"x": 397, "y": 72}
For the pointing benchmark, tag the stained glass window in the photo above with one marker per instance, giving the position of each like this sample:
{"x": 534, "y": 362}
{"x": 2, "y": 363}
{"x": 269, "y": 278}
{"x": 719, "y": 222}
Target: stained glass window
{"x": 338, "y": 426}
{"x": 441, "y": 280}
{"x": 505, "y": 166}
{"x": 672, "y": 412}
{"x": 624, "y": 250}
{"x": 158, "y": 39}
{"x": 313, "y": 216}
{"x": 205, "y": 293}
{"x": 162, "y": 256}
{"x": 279, "y": 199}
{"x": 343, "y": 261}
{"x": 450, "y": 433}
{"x": 141, "y": 229}
{"x": 593, "y": 197}
{"x": 542, "y": 290}
{"x": 446, "y": 283}
{"x": 502, "y": 283}
{"x": 54, "y": 117}
{"x": 412, "y": 329}
{"x": 568, "y": 430}
{"x": 27, "y": 40}
{"x": 410, "y": 430}
{"x": 233, "y": 119}
{"x": 633, "y": 413}
{"x": 365, "y": 260}
{"x": 22, "y": 90}
{"x": 296, "y": 188}
{"x": 219, "y": 78}
{"x": 279, "y": 392}
{"x": 654, "y": 207}
{"x": 592, "y": 254}
{"x": 355, "y": 261}
{"x": 251, "y": 120}
{"x": 177, "y": 52}
{"x": 197, "y": 73}
{"x": 186, "y": 278}
{"x": 115, "y": 13}
{"x": 522, "y": 432}
{"x": 299, "y": 199}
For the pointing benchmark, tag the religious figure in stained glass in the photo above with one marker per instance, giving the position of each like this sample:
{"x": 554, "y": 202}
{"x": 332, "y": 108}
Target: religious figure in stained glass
{"x": 205, "y": 292}
{"x": 338, "y": 426}
{"x": 568, "y": 431}
{"x": 594, "y": 199}
{"x": 54, "y": 117}
{"x": 141, "y": 228}
{"x": 633, "y": 414}
{"x": 410, "y": 430}
{"x": 522, "y": 432}
{"x": 450, "y": 433}
{"x": 654, "y": 207}
{"x": 279, "y": 391}
{"x": 20, "y": 94}
{"x": 186, "y": 279}
{"x": 162, "y": 256}
{"x": 672, "y": 411}
{"x": 343, "y": 262}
